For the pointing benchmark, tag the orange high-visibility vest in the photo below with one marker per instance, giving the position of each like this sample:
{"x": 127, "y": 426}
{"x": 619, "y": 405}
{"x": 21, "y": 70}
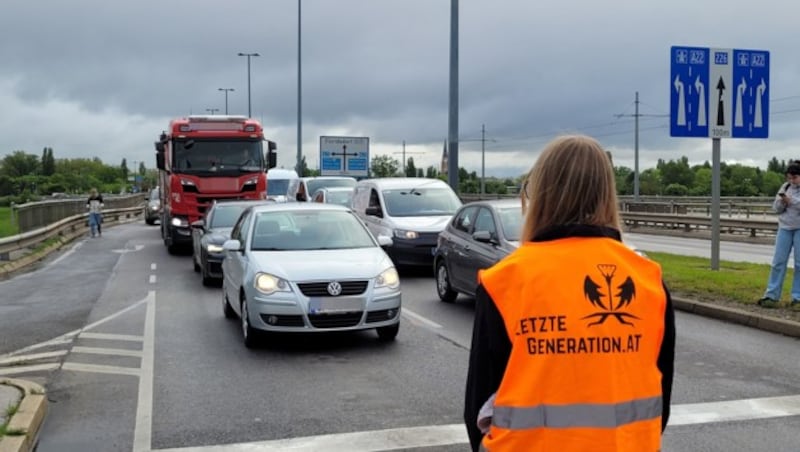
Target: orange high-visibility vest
{"x": 585, "y": 317}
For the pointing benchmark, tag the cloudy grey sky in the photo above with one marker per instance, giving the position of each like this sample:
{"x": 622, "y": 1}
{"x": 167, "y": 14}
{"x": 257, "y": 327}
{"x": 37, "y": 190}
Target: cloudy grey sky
{"x": 102, "y": 78}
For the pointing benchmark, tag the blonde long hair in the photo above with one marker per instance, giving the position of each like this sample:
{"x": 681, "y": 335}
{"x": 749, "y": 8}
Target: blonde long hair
{"x": 572, "y": 182}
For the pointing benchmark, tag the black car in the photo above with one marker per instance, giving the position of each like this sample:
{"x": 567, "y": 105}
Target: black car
{"x": 152, "y": 208}
{"x": 480, "y": 234}
{"x": 209, "y": 233}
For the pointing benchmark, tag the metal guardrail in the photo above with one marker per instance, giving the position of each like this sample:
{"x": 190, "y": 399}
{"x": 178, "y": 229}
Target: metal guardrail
{"x": 748, "y": 226}
{"x": 34, "y": 215}
{"x": 16, "y": 251}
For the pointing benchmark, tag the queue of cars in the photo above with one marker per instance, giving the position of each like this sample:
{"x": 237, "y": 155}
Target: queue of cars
{"x": 331, "y": 265}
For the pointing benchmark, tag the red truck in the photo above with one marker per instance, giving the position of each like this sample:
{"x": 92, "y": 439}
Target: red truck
{"x": 206, "y": 158}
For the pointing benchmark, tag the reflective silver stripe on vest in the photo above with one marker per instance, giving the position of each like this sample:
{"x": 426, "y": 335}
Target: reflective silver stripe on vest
{"x": 578, "y": 415}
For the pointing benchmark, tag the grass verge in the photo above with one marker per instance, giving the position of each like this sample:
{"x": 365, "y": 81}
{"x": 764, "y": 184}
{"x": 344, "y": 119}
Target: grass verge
{"x": 738, "y": 282}
{"x": 7, "y": 229}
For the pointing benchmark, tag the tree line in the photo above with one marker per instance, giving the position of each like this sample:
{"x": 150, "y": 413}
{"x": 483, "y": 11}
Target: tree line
{"x": 26, "y": 177}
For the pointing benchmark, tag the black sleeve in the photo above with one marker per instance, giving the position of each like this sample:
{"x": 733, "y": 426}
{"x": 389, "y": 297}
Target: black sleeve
{"x": 488, "y": 357}
{"x": 666, "y": 360}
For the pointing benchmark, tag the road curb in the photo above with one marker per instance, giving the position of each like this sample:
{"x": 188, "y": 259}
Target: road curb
{"x": 740, "y": 316}
{"x": 28, "y": 417}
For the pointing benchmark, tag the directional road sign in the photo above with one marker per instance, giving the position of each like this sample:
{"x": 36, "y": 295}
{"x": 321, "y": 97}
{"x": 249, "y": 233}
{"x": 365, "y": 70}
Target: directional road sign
{"x": 719, "y": 93}
{"x": 344, "y": 156}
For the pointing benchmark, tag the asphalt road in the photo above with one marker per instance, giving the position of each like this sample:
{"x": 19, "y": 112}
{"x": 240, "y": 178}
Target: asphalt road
{"x": 137, "y": 356}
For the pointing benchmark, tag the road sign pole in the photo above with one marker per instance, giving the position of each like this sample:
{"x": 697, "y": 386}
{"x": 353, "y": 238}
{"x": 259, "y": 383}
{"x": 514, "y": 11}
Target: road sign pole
{"x": 715, "y": 199}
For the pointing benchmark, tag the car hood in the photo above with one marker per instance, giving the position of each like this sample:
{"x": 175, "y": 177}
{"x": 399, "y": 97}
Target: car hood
{"x": 218, "y": 235}
{"x": 308, "y": 265}
{"x": 422, "y": 224}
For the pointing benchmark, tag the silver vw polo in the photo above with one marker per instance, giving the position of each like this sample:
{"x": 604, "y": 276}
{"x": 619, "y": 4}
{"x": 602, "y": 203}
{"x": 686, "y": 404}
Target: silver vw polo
{"x": 308, "y": 267}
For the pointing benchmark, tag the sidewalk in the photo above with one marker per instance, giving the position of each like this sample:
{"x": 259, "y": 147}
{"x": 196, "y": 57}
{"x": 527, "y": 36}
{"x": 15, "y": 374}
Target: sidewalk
{"x": 27, "y": 404}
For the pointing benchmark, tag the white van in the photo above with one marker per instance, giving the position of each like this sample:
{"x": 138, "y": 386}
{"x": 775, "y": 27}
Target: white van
{"x": 410, "y": 210}
{"x": 282, "y": 184}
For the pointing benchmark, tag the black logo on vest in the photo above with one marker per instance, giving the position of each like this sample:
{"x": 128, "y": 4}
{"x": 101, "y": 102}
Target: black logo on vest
{"x": 624, "y": 295}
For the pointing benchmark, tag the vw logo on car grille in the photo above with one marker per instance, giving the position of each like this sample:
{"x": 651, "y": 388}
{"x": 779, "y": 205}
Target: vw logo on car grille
{"x": 334, "y": 288}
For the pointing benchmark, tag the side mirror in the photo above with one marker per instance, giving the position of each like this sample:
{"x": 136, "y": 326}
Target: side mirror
{"x": 160, "y": 160}
{"x": 232, "y": 245}
{"x": 374, "y": 211}
{"x": 483, "y": 236}
{"x": 384, "y": 241}
{"x": 198, "y": 224}
{"x": 272, "y": 159}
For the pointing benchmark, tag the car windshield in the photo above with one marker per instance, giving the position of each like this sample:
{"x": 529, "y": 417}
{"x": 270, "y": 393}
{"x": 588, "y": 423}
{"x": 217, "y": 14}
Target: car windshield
{"x": 316, "y": 184}
{"x": 340, "y": 197}
{"x": 154, "y": 194}
{"x": 418, "y": 202}
{"x": 215, "y": 156}
{"x": 511, "y": 222}
{"x": 295, "y": 230}
{"x": 277, "y": 187}
{"x": 225, "y": 216}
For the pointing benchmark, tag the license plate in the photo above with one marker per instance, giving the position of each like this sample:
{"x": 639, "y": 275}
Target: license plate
{"x": 334, "y": 305}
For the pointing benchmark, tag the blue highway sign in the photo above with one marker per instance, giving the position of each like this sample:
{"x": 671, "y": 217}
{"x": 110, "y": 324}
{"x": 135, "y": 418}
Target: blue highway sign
{"x": 719, "y": 93}
{"x": 344, "y": 156}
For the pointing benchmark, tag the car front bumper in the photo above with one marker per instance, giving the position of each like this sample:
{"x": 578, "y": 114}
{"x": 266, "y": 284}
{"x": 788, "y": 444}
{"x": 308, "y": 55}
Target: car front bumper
{"x": 289, "y": 312}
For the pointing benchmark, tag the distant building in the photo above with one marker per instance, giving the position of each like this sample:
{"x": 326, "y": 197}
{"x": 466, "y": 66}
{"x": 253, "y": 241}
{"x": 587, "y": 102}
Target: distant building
{"x": 443, "y": 169}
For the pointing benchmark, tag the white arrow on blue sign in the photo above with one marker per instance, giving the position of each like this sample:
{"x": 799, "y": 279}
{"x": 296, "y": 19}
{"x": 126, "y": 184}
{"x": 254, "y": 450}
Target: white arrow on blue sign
{"x": 719, "y": 93}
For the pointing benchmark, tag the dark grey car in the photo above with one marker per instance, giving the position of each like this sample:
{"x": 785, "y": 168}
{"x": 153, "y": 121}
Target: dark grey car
{"x": 480, "y": 234}
{"x": 209, "y": 233}
{"x": 152, "y": 208}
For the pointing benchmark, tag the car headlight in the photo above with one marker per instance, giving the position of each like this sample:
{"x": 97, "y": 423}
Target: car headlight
{"x": 269, "y": 284}
{"x": 214, "y": 248}
{"x": 403, "y": 234}
{"x": 179, "y": 222}
{"x": 389, "y": 278}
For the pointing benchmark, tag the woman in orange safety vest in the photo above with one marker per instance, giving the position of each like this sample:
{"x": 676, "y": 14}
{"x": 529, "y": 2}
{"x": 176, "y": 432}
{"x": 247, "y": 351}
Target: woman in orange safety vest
{"x": 574, "y": 338}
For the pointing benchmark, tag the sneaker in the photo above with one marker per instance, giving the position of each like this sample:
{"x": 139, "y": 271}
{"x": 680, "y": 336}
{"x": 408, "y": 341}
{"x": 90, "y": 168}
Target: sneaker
{"x": 767, "y": 302}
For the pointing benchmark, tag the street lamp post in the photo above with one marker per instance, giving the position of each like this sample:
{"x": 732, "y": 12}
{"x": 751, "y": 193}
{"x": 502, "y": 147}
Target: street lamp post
{"x": 227, "y": 90}
{"x": 249, "y": 106}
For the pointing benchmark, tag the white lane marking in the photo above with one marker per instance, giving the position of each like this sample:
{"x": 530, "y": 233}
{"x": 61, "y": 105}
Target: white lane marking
{"x": 24, "y": 369}
{"x": 379, "y": 440}
{"x": 32, "y": 357}
{"x": 143, "y": 431}
{"x": 101, "y": 369}
{"x": 418, "y": 319}
{"x": 68, "y": 337}
{"x": 60, "y": 340}
{"x": 111, "y": 337}
{"x": 152, "y": 279}
{"x": 107, "y": 351}
{"x": 454, "y": 434}
{"x": 734, "y": 410}
{"x": 153, "y": 266}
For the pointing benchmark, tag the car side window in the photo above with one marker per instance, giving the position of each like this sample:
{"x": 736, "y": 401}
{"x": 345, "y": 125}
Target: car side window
{"x": 463, "y": 221}
{"x": 485, "y": 222}
{"x": 241, "y": 226}
{"x": 374, "y": 199}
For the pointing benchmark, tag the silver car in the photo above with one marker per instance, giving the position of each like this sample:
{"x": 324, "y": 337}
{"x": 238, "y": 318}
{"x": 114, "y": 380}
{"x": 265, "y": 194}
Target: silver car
{"x": 308, "y": 267}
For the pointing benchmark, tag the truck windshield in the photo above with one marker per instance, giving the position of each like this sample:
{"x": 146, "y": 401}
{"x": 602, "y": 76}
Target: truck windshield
{"x": 231, "y": 157}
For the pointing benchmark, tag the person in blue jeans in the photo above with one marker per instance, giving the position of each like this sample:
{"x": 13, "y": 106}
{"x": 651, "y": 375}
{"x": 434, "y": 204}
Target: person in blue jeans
{"x": 787, "y": 205}
{"x": 95, "y": 206}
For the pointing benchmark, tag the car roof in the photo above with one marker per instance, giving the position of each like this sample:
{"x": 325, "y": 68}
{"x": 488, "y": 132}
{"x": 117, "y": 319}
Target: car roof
{"x": 335, "y": 189}
{"x": 307, "y": 178}
{"x": 239, "y": 202}
{"x": 498, "y": 203}
{"x": 297, "y": 206}
{"x": 404, "y": 182}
